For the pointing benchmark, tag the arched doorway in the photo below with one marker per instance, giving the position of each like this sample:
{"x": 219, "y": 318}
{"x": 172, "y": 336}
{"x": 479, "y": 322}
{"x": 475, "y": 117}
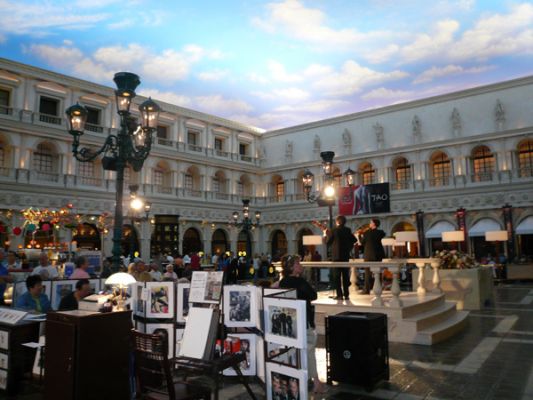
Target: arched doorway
{"x": 130, "y": 240}
{"x": 242, "y": 241}
{"x": 87, "y": 237}
{"x": 219, "y": 242}
{"x": 192, "y": 241}
{"x": 279, "y": 244}
{"x": 409, "y": 249}
{"x": 301, "y": 248}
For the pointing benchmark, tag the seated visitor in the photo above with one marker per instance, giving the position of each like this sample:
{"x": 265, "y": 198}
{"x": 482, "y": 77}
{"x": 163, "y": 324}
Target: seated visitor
{"x": 170, "y": 275}
{"x": 45, "y": 269}
{"x": 80, "y": 272}
{"x": 155, "y": 273}
{"x": 70, "y": 302}
{"x": 34, "y": 299}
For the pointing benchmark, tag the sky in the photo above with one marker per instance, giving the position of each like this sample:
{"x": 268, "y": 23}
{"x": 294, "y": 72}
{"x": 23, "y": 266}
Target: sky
{"x": 281, "y": 63}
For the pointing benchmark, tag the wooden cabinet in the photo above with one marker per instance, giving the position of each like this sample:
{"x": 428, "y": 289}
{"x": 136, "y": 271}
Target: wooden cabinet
{"x": 87, "y": 355}
{"x": 15, "y": 359}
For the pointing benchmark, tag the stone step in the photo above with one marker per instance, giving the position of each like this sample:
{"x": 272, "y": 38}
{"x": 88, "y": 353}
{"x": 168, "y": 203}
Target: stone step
{"x": 429, "y": 318}
{"x": 443, "y": 330}
{"x": 419, "y": 308}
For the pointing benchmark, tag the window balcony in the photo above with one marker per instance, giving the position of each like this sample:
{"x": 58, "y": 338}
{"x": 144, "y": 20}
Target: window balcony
{"x": 441, "y": 181}
{"x": 45, "y": 177}
{"x": 482, "y": 177}
{"x": 401, "y": 185}
{"x": 90, "y": 181}
{"x": 245, "y": 158}
{"x": 93, "y": 128}
{"x": 220, "y": 153}
{"x": 164, "y": 142}
{"x": 4, "y": 110}
{"x": 525, "y": 172}
{"x": 195, "y": 148}
{"x": 49, "y": 119}
{"x": 162, "y": 189}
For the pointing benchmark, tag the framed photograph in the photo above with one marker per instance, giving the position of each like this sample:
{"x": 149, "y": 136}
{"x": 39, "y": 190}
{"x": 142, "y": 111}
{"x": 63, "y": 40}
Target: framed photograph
{"x": 139, "y": 298}
{"x": 285, "y": 321}
{"x": 248, "y": 347}
{"x": 183, "y": 301}
{"x": 3, "y": 361}
{"x": 240, "y": 306}
{"x": 4, "y": 340}
{"x": 206, "y": 287}
{"x": 285, "y": 383}
{"x": 61, "y": 289}
{"x": 167, "y": 331}
{"x": 280, "y": 354}
{"x": 160, "y": 300}
{"x": 179, "y": 337}
{"x": 286, "y": 293}
{"x": 3, "y": 379}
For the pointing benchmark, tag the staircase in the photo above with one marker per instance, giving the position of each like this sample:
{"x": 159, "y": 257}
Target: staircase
{"x": 422, "y": 319}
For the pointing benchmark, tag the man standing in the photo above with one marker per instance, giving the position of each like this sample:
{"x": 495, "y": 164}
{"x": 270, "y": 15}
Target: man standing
{"x": 372, "y": 248}
{"x": 341, "y": 240}
{"x": 71, "y": 301}
{"x": 44, "y": 268}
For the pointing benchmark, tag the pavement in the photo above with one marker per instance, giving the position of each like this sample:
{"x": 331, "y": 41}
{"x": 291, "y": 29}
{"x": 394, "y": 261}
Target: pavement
{"x": 492, "y": 359}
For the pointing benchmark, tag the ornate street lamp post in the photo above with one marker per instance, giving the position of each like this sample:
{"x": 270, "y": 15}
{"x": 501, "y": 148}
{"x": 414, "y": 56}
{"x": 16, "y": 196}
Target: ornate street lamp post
{"x": 246, "y": 224}
{"x": 131, "y": 145}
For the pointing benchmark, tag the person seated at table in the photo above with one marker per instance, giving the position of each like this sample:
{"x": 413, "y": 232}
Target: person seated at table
{"x": 34, "y": 299}
{"x": 71, "y": 301}
{"x": 80, "y": 272}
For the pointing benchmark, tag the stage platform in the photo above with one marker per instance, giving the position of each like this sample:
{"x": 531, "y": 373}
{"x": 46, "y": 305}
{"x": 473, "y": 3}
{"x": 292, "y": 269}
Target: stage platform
{"x": 423, "y": 319}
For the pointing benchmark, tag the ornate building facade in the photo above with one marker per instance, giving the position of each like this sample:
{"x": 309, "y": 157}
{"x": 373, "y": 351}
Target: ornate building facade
{"x": 471, "y": 149}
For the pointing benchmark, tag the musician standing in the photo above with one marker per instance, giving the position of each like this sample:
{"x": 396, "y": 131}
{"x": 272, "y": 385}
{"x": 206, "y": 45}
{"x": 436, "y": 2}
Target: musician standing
{"x": 341, "y": 240}
{"x": 372, "y": 248}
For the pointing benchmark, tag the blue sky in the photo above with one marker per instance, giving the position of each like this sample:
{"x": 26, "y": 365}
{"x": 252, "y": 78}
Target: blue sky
{"x": 280, "y": 63}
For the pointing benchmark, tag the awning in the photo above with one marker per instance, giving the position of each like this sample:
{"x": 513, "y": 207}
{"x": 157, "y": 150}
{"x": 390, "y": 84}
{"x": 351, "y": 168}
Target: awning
{"x": 482, "y": 226}
{"x": 525, "y": 227}
{"x": 436, "y": 230}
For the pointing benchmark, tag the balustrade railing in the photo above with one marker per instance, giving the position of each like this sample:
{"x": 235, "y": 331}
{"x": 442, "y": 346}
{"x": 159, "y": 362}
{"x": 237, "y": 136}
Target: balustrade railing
{"x": 49, "y": 119}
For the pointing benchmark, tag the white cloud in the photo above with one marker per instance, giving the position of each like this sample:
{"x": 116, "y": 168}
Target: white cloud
{"x": 168, "y": 97}
{"x": 166, "y": 67}
{"x": 353, "y": 77}
{"x": 37, "y": 19}
{"x": 438, "y": 72}
{"x": 124, "y": 23}
{"x": 384, "y": 93}
{"x": 2, "y": 38}
{"x": 217, "y": 104}
{"x": 313, "y": 107}
{"x": 214, "y": 75}
{"x": 257, "y": 78}
{"x": 379, "y": 55}
{"x": 425, "y": 45}
{"x": 278, "y": 72}
{"x": 291, "y": 94}
{"x": 291, "y": 17}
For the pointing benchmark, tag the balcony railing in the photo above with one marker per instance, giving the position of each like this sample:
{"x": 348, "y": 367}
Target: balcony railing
{"x": 193, "y": 147}
{"x": 401, "y": 185}
{"x": 482, "y": 177}
{"x": 5, "y": 110}
{"x": 94, "y": 128}
{"x": 90, "y": 181}
{"x": 220, "y": 153}
{"x": 221, "y": 196}
{"x": 193, "y": 193}
{"x": 50, "y": 119}
{"x": 525, "y": 172}
{"x": 164, "y": 142}
{"x": 246, "y": 158}
{"x": 45, "y": 176}
{"x": 440, "y": 181}
{"x": 162, "y": 189}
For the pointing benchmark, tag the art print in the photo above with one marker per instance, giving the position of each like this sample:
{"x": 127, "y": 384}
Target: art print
{"x": 3, "y": 361}
{"x": 248, "y": 347}
{"x": 285, "y": 383}
{"x": 167, "y": 332}
{"x": 206, "y": 287}
{"x": 3, "y": 379}
{"x": 282, "y": 354}
{"x": 61, "y": 289}
{"x": 285, "y": 321}
{"x": 139, "y": 299}
{"x": 240, "y": 306}
{"x": 183, "y": 302}
{"x": 160, "y": 300}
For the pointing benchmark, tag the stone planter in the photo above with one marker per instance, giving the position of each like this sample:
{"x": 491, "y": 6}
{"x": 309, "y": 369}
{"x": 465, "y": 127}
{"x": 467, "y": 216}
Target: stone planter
{"x": 472, "y": 288}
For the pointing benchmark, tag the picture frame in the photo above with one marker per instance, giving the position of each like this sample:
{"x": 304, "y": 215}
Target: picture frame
{"x": 4, "y": 361}
{"x": 248, "y": 346}
{"x": 3, "y": 379}
{"x": 285, "y": 382}
{"x": 183, "y": 302}
{"x": 61, "y": 289}
{"x": 138, "y": 298}
{"x": 206, "y": 287}
{"x": 4, "y": 340}
{"x": 166, "y": 329}
{"x": 286, "y": 293}
{"x": 240, "y": 306}
{"x": 160, "y": 300}
{"x": 19, "y": 288}
{"x": 260, "y": 358}
{"x": 285, "y": 321}
{"x": 289, "y": 357}
{"x": 178, "y": 337}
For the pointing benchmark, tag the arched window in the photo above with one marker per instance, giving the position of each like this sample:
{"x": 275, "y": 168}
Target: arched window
{"x": 441, "y": 169}
{"x": 191, "y": 182}
{"x": 278, "y": 188}
{"x": 482, "y": 164}
{"x": 368, "y": 173}
{"x": 402, "y": 173}
{"x": 525, "y": 159}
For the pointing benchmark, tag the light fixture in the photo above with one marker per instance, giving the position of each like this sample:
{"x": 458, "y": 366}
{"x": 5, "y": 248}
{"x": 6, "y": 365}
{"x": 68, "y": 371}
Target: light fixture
{"x": 136, "y": 204}
{"x": 349, "y": 177}
{"x": 120, "y": 281}
{"x": 453, "y": 236}
{"x": 77, "y": 117}
{"x": 329, "y": 191}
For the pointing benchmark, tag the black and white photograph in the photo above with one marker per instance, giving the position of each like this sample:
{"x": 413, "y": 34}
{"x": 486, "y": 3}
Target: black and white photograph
{"x": 183, "y": 302}
{"x": 165, "y": 330}
{"x": 282, "y": 354}
{"x": 3, "y": 379}
{"x": 285, "y": 321}
{"x": 61, "y": 289}
{"x": 240, "y": 306}
{"x": 139, "y": 300}
{"x": 284, "y": 383}
{"x": 248, "y": 347}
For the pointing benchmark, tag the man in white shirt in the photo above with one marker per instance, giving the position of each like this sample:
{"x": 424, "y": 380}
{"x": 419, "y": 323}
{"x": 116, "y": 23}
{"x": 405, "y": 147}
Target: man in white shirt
{"x": 155, "y": 272}
{"x": 44, "y": 269}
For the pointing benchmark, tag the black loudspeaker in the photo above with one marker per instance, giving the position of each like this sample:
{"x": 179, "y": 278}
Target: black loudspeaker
{"x": 357, "y": 348}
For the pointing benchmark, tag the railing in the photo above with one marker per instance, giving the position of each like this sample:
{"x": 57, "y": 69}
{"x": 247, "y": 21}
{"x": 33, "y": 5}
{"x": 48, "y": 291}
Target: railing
{"x": 4, "y": 110}
{"x": 5, "y": 171}
{"x": 164, "y": 142}
{"x": 45, "y": 176}
{"x": 300, "y": 196}
{"x": 440, "y": 181}
{"x": 221, "y": 196}
{"x": 246, "y": 158}
{"x": 193, "y": 193}
{"x": 482, "y": 177}
{"x": 525, "y": 172}
{"x": 401, "y": 185}
{"x": 220, "y": 153}
{"x": 49, "y": 119}
{"x": 94, "y": 128}
{"x": 90, "y": 181}
{"x": 162, "y": 189}
{"x": 193, "y": 147}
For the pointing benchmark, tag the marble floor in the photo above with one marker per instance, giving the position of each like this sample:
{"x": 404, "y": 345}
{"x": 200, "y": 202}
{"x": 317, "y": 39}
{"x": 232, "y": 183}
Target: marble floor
{"x": 491, "y": 359}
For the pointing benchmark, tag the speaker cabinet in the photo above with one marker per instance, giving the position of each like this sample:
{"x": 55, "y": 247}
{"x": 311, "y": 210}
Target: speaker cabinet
{"x": 357, "y": 348}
